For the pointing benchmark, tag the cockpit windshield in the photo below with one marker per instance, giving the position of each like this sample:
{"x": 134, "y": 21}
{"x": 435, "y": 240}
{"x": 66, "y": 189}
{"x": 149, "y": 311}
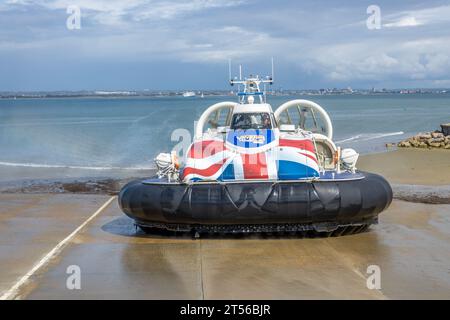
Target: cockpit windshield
{"x": 245, "y": 121}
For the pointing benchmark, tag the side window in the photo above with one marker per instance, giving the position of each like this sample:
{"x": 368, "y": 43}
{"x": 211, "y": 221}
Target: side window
{"x": 219, "y": 118}
{"x": 304, "y": 118}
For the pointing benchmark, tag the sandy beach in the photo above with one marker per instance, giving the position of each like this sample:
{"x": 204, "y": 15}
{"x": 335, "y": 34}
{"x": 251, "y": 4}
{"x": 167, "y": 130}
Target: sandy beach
{"x": 410, "y": 245}
{"x": 416, "y": 175}
{"x": 410, "y": 166}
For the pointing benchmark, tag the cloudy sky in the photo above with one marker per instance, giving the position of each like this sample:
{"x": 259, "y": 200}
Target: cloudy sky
{"x": 162, "y": 44}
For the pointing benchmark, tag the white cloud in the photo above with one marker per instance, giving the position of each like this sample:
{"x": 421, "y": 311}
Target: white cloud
{"x": 173, "y": 9}
{"x": 229, "y": 42}
{"x": 110, "y": 12}
{"x": 378, "y": 60}
{"x": 404, "y": 22}
{"x": 333, "y": 50}
{"x": 413, "y": 18}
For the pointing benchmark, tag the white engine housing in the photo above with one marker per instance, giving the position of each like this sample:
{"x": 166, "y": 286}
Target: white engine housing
{"x": 167, "y": 164}
{"x": 349, "y": 157}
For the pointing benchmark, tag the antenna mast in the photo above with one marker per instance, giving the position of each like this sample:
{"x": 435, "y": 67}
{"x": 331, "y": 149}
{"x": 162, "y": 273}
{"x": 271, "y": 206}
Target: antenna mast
{"x": 229, "y": 70}
{"x": 273, "y": 74}
{"x": 251, "y": 84}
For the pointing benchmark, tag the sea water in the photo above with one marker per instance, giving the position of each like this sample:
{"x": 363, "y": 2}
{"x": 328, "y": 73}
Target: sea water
{"x": 127, "y": 133}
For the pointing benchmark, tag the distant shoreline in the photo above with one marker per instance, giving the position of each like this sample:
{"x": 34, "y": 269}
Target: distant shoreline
{"x": 212, "y": 93}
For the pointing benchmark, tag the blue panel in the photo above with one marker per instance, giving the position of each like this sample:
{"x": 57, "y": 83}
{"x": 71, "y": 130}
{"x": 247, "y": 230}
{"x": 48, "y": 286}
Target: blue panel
{"x": 289, "y": 170}
{"x": 250, "y": 138}
{"x": 228, "y": 173}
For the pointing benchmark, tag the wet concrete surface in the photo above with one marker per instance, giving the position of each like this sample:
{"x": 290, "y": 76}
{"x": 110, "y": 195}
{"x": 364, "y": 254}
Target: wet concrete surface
{"x": 31, "y": 225}
{"x": 410, "y": 245}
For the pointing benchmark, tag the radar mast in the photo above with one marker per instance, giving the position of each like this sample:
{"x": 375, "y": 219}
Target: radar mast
{"x": 251, "y": 84}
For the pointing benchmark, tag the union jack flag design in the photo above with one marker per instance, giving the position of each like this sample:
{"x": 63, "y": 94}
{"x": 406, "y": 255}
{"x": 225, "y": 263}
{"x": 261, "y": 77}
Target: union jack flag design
{"x": 251, "y": 155}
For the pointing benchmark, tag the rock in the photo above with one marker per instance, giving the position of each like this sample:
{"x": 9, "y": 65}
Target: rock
{"x": 404, "y": 144}
{"x": 437, "y": 134}
{"x": 434, "y": 144}
{"x": 435, "y": 139}
{"x": 423, "y": 136}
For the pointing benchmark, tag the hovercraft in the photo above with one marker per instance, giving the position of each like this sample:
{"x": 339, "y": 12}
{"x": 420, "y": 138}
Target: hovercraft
{"x": 250, "y": 169}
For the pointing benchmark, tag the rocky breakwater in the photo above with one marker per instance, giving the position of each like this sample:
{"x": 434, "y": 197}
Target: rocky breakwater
{"x": 436, "y": 139}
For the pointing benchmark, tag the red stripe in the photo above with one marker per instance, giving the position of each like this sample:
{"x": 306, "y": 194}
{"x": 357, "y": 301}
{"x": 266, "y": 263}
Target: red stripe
{"x": 204, "y": 149}
{"x": 255, "y": 166}
{"x": 309, "y": 156}
{"x": 210, "y": 171}
{"x": 304, "y": 144}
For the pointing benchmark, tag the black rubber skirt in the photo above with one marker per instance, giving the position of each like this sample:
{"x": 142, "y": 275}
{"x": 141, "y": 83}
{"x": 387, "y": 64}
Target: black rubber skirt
{"x": 257, "y": 206}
